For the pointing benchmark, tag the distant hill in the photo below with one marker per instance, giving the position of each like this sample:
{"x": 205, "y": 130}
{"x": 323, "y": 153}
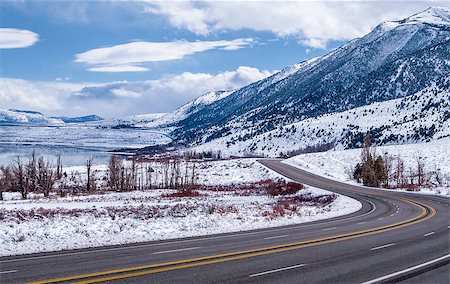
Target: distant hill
{"x": 15, "y": 116}
{"x": 80, "y": 119}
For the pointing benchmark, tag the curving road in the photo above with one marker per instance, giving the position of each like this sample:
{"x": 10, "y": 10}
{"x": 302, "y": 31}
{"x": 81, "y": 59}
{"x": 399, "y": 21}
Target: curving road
{"x": 395, "y": 237}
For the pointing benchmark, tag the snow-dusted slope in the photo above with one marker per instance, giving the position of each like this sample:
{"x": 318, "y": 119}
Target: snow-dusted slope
{"x": 189, "y": 109}
{"x": 11, "y": 116}
{"x": 164, "y": 121}
{"x": 134, "y": 120}
{"x": 397, "y": 59}
{"x": 423, "y": 116}
{"x": 80, "y": 119}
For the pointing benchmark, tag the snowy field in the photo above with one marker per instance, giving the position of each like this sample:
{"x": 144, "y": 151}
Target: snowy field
{"x": 339, "y": 164}
{"x": 49, "y": 224}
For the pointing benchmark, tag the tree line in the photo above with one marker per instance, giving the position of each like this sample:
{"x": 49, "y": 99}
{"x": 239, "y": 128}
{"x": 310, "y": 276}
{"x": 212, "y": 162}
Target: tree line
{"x": 38, "y": 175}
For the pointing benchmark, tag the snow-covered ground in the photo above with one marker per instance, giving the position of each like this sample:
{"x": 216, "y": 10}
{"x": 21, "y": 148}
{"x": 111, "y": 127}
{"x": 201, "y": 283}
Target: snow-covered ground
{"x": 397, "y": 121}
{"x": 49, "y": 224}
{"x": 339, "y": 164}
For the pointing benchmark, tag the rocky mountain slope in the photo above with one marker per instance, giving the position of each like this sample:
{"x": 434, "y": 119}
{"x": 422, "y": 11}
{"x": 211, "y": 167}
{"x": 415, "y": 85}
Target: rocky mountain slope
{"x": 421, "y": 117}
{"x": 397, "y": 60}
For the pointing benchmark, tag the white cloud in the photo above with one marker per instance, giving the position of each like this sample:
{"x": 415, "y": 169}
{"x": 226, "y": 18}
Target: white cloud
{"x": 123, "y": 57}
{"x": 120, "y": 98}
{"x": 119, "y": 68}
{"x": 15, "y": 38}
{"x": 314, "y": 23}
{"x": 183, "y": 15}
{"x": 45, "y": 96}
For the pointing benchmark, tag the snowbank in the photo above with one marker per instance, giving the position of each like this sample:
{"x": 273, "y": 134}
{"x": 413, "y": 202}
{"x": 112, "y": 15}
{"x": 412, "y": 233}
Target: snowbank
{"x": 339, "y": 164}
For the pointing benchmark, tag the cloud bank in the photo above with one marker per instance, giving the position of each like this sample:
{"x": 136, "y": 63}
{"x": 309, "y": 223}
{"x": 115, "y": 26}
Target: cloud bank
{"x": 119, "y": 99}
{"x": 313, "y": 23}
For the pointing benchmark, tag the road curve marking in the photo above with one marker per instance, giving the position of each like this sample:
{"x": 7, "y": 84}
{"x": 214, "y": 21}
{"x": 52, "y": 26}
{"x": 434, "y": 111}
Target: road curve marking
{"x": 9, "y": 271}
{"x": 328, "y": 229}
{"x": 398, "y": 273}
{"x": 382, "y": 247}
{"x": 276, "y": 270}
{"x": 427, "y": 213}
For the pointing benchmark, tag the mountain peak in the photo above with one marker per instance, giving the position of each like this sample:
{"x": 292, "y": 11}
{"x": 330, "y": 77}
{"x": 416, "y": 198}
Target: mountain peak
{"x": 432, "y": 15}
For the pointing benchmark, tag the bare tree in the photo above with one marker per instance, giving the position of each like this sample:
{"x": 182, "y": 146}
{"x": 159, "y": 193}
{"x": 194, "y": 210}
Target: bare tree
{"x": 45, "y": 176}
{"x": 438, "y": 176}
{"x": 114, "y": 173}
{"x": 90, "y": 175}
{"x": 399, "y": 175}
{"x": 59, "y": 167}
{"x": 31, "y": 172}
{"x": 388, "y": 166}
{"x": 421, "y": 175}
{"x": 18, "y": 178}
{"x": 5, "y": 180}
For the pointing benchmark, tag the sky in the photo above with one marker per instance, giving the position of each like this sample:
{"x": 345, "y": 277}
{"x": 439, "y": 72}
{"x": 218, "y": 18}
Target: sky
{"x": 120, "y": 58}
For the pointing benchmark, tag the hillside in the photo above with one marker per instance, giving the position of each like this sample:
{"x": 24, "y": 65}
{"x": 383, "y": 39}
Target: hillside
{"x": 421, "y": 117}
{"x": 397, "y": 60}
{"x": 14, "y": 116}
{"x": 80, "y": 119}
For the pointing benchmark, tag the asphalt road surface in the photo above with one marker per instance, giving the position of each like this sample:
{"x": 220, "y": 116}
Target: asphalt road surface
{"x": 395, "y": 237}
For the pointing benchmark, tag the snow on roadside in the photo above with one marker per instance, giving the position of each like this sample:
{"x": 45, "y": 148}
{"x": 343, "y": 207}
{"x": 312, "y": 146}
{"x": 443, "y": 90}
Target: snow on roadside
{"x": 40, "y": 224}
{"x": 339, "y": 164}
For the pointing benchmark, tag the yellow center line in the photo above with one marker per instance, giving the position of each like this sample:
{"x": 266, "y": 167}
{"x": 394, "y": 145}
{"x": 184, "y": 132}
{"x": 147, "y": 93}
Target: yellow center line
{"x": 226, "y": 257}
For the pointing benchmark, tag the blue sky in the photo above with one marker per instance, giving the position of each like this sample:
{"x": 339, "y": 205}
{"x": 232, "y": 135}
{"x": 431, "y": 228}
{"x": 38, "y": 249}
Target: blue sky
{"x": 59, "y": 57}
{"x": 60, "y": 40}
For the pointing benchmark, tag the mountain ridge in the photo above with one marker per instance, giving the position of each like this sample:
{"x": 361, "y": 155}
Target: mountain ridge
{"x": 385, "y": 64}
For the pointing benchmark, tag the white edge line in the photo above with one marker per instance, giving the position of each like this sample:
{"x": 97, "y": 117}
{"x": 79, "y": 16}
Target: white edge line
{"x": 175, "y": 250}
{"x": 429, "y": 234}
{"x": 384, "y": 246}
{"x": 9, "y": 271}
{"x": 406, "y": 270}
{"x": 276, "y": 270}
{"x": 327, "y": 229}
{"x": 276, "y": 237}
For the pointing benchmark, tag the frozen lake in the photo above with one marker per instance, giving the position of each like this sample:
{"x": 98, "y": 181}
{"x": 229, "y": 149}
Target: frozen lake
{"x": 74, "y": 143}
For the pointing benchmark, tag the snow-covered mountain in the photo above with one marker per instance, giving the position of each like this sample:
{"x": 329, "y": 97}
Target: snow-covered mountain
{"x": 399, "y": 61}
{"x": 189, "y": 109}
{"x": 421, "y": 117}
{"x": 168, "y": 120}
{"x": 14, "y": 116}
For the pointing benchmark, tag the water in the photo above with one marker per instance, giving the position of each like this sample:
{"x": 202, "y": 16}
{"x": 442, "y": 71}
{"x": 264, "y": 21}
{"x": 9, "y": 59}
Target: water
{"x": 70, "y": 156}
{"x": 74, "y": 143}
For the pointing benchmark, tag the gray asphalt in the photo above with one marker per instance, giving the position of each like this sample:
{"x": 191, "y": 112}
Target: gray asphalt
{"x": 392, "y": 232}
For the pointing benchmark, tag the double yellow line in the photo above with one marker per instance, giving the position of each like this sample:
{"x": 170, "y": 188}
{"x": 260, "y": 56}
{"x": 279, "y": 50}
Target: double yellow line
{"x": 427, "y": 212}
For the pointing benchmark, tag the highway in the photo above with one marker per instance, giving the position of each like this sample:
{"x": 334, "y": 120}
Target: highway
{"x": 394, "y": 237}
